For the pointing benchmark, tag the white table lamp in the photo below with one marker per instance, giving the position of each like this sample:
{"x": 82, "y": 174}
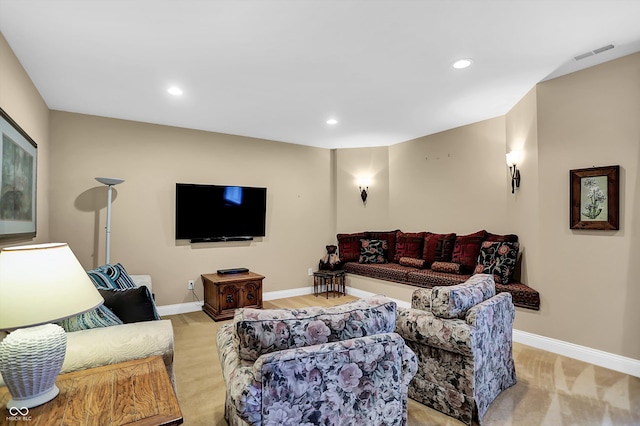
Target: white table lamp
{"x": 39, "y": 285}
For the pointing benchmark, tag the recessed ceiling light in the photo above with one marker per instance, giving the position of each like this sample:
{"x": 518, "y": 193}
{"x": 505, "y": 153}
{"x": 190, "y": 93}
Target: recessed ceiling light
{"x": 332, "y": 121}
{"x": 462, "y": 63}
{"x": 175, "y": 90}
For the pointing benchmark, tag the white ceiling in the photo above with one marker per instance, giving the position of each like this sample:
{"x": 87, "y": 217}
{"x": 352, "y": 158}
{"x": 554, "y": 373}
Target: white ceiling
{"x": 278, "y": 69}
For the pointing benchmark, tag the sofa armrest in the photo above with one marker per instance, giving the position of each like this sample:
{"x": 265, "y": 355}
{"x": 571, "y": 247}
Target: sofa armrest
{"x": 498, "y": 311}
{"x": 118, "y": 343}
{"x": 421, "y": 299}
{"x": 110, "y": 345}
{"x": 141, "y": 280}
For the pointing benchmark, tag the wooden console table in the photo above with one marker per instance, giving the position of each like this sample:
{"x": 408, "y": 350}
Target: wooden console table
{"x": 224, "y": 293}
{"x": 135, "y": 392}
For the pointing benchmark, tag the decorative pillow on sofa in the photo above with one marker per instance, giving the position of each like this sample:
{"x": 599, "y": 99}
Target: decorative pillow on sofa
{"x": 409, "y": 244}
{"x": 373, "y": 251}
{"x": 412, "y": 261}
{"x": 438, "y": 247}
{"x": 349, "y": 246}
{"x": 466, "y": 249}
{"x": 111, "y": 276}
{"x": 389, "y": 237}
{"x": 262, "y": 331}
{"x": 98, "y": 317}
{"x": 448, "y": 267}
{"x": 131, "y": 305}
{"x": 498, "y": 258}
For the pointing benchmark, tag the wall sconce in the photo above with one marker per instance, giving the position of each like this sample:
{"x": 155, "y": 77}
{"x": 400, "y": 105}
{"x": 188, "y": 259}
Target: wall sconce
{"x": 363, "y": 193}
{"x": 513, "y": 158}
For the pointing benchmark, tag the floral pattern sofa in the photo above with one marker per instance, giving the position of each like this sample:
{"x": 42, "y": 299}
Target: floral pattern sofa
{"x": 342, "y": 365}
{"x": 462, "y": 336}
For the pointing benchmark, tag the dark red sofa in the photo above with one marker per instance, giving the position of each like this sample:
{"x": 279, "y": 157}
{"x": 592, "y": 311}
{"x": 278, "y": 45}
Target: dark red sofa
{"x": 409, "y": 258}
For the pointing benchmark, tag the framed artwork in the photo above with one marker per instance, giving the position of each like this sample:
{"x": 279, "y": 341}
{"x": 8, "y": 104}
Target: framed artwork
{"x": 594, "y": 198}
{"x": 17, "y": 181}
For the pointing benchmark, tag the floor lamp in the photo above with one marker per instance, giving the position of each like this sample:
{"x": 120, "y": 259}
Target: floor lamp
{"x": 110, "y": 182}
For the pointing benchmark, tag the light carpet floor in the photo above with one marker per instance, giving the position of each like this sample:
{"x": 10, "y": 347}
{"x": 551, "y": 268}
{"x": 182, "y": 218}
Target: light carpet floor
{"x": 551, "y": 390}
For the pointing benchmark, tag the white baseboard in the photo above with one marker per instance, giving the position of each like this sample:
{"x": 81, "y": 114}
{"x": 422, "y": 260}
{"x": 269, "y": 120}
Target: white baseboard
{"x": 179, "y": 308}
{"x": 593, "y": 356}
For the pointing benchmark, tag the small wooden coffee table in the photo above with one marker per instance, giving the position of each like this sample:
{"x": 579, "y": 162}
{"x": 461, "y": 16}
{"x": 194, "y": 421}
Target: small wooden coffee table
{"x": 135, "y": 392}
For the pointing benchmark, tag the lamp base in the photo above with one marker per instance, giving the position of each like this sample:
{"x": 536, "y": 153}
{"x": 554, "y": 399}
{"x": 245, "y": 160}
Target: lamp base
{"x": 30, "y": 361}
{"x": 35, "y": 400}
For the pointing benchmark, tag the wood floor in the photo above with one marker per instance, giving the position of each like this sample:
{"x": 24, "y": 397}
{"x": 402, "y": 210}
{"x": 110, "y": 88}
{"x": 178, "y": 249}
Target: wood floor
{"x": 551, "y": 390}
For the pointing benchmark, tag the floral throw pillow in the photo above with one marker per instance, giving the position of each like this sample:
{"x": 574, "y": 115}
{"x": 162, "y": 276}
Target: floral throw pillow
{"x": 498, "y": 258}
{"x": 372, "y": 251}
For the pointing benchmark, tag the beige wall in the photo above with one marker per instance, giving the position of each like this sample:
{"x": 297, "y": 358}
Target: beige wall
{"x": 151, "y": 159}
{"x": 370, "y": 165}
{"x": 20, "y": 99}
{"x": 591, "y": 279}
{"x": 452, "y": 181}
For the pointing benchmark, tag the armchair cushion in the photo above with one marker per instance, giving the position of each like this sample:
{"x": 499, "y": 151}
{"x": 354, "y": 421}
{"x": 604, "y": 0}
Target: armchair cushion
{"x": 263, "y": 331}
{"x": 454, "y": 301}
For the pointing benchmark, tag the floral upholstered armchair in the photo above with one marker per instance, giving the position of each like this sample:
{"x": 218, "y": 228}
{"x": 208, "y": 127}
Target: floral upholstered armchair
{"x": 462, "y": 337}
{"x": 342, "y": 365}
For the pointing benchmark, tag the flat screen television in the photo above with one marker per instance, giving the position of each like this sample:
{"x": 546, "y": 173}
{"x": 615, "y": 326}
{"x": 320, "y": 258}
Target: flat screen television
{"x": 219, "y": 213}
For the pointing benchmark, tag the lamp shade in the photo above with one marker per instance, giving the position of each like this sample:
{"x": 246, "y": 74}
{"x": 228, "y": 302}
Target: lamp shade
{"x": 43, "y": 283}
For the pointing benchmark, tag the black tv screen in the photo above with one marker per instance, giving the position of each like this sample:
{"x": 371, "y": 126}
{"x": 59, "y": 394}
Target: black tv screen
{"x": 216, "y": 212}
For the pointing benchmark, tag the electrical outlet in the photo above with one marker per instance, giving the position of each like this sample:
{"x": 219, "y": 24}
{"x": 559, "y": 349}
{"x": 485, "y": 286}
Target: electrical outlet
{"x": 310, "y": 271}
{"x": 190, "y": 285}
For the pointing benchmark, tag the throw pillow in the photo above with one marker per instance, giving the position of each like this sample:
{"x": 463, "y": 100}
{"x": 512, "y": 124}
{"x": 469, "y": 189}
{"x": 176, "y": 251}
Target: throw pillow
{"x": 438, "y": 247}
{"x": 111, "y": 276}
{"x": 373, "y": 251}
{"x": 498, "y": 258}
{"x": 98, "y": 317}
{"x": 412, "y": 261}
{"x": 349, "y": 246}
{"x": 389, "y": 237}
{"x": 131, "y": 305}
{"x": 466, "y": 249}
{"x": 448, "y": 267}
{"x": 409, "y": 244}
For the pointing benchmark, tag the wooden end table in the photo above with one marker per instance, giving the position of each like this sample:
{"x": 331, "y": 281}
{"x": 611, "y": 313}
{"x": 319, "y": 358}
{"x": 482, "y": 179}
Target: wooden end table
{"x": 329, "y": 279}
{"x": 224, "y": 293}
{"x": 136, "y": 392}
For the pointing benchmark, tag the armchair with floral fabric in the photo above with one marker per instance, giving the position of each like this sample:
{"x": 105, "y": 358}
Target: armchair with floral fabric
{"x": 462, "y": 336}
{"x": 333, "y": 366}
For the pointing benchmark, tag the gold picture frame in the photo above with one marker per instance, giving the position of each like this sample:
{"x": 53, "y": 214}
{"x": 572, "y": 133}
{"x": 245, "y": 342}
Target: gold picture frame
{"x": 594, "y": 198}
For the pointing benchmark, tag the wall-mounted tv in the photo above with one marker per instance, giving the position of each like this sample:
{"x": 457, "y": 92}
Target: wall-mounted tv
{"x": 219, "y": 213}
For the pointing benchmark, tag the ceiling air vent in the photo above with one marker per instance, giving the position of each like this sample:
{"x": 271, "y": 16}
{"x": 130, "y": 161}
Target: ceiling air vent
{"x": 594, "y": 52}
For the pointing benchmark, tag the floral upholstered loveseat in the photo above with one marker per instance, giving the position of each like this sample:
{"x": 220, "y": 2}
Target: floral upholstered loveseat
{"x": 332, "y": 366}
{"x": 462, "y": 336}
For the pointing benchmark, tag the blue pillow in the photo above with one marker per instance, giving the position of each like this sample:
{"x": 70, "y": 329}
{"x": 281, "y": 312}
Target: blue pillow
{"x": 98, "y": 317}
{"x": 111, "y": 277}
